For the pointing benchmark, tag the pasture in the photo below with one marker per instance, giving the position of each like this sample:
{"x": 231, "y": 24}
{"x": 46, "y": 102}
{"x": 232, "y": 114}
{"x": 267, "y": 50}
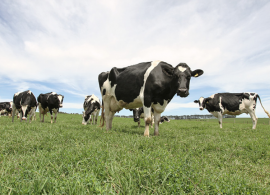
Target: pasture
{"x": 189, "y": 156}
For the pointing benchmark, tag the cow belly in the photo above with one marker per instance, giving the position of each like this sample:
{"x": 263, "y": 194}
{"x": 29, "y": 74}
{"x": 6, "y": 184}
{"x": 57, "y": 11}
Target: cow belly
{"x": 237, "y": 112}
{"x": 43, "y": 111}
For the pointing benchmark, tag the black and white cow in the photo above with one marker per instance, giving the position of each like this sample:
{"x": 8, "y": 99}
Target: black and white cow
{"x": 91, "y": 108}
{"x": 25, "y": 103}
{"x": 163, "y": 119}
{"x": 50, "y": 102}
{"x": 232, "y": 104}
{"x": 148, "y": 84}
{"x": 5, "y": 108}
{"x": 138, "y": 113}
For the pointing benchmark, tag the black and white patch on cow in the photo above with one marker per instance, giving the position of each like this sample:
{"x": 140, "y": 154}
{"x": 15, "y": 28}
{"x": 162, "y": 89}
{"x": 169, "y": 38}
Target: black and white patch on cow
{"x": 232, "y": 104}
{"x": 5, "y": 108}
{"x": 148, "y": 84}
{"x": 91, "y": 108}
{"x": 25, "y": 103}
{"x": 163, "y": 119}
{"x": 50, "y": 102}
{"x": 138, "y": 113}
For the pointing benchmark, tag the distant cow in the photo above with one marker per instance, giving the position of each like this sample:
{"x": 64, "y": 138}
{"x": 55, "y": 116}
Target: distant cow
{"x": 231, "y": 104}
{"x": 138, "y": 114}
{"x": 25, "y": 103}
{"x": 163, "y": 119}
{"x": 148, "y": 84}
{"x": 50, "y": 102}
{"x": 5, "y": 108}
{"x": 91, "y": 108}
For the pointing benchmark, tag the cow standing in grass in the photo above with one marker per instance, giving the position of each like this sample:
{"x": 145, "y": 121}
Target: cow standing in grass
{"x": 5, "y": 108}
{"x": 25, "y": 103}
{"x": 91, "y": 108}
{"x": 50, "y": 102}
{"x": 232, "y": 104}
{"x": 148, "y": 84}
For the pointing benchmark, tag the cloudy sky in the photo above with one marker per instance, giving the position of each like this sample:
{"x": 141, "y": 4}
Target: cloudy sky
{"x": 62, "y": 46}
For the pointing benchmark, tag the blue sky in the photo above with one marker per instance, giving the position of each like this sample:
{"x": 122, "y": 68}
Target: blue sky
{"x": 62, "y": 46}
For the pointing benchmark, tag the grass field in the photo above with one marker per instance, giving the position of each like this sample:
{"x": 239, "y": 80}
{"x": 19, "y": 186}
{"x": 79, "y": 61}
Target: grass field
{"x": 189, "y": 156}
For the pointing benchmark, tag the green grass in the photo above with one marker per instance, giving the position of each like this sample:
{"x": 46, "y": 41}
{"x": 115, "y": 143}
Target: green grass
{"x": 189, "y": 157}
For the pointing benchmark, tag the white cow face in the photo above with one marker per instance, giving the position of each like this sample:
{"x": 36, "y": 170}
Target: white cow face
{"x": 201, "y": 103}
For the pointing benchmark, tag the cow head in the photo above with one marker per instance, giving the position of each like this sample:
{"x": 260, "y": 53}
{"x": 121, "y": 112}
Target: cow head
{"x": 26, "y": 103}
{"x": 183, "y": 73}
{"x": 164, "y": 118}
{"x": 202, "y": 101}
{"x": 136, "y": 114}
{"x": 61, "y": 99}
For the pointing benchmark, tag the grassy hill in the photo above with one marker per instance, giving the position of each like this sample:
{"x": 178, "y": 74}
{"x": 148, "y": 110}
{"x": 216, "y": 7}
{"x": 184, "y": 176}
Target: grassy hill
{"x": 189, "y": 156}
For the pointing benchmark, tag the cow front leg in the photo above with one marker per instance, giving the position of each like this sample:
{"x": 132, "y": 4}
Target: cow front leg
{"x": 91, "y": 119}
{"x": 157, "y": 120}
{"x": 147, "y": 119}
{"x": 51, "y": 116}
{"x": 55, "y": 116}
{"x": 220, "y": 119}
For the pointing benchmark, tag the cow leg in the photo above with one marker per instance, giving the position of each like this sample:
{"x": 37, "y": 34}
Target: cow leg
{"x": 254, "y": 118}
{"x": 39, "y": 115}
{"x": 156, "y": 118}
{"x": 13, "y": 112}
{"x": 55, "y": 116}
{"x": 220, "y": 119}
{"x": 51, "y": 116}
{"x": 147, "y": 119}
{"x": 91, "y": 119}
{"x": 20, "y": 116}
{"x": 139, "y": 123}
{"x": 96, "y": 116}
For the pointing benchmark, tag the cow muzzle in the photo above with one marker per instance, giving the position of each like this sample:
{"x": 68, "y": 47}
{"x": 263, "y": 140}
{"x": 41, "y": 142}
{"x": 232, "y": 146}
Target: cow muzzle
{"x": 182, "y": 92}
{"x": 201, "y": 108}
{"x": 136, "y": 119}
{"x": 61, "y": 106}
{"x": 24, "y": 118}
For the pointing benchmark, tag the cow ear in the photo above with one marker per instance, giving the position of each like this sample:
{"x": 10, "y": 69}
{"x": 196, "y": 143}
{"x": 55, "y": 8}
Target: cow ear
{"x": 168, "y": 71}
{"x": 196, "y": 101}
{"x": 197, "y": 73}
{"x": 206, "y": 100}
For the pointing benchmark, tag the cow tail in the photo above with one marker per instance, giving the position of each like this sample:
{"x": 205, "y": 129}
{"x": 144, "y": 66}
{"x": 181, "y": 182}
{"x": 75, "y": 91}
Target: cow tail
{"x": 263, "y": 107}
{"x": 102, "y": 116}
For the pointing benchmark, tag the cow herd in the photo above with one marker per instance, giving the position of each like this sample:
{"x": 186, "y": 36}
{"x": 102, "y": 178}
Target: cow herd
{"x": 145, "y": 88}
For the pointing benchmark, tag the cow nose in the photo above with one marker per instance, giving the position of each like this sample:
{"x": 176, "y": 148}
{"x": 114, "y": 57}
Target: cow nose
{"x": 201, "y": 108}
{"x": 183, "y": 90}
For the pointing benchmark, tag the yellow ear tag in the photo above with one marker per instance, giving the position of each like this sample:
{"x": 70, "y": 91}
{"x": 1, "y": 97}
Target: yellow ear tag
{"x": 196, "y": 75}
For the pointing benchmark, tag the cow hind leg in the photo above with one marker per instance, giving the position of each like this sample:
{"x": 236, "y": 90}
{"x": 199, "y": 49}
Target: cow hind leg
{"x": 156, "y": 119}
{"x": 254, "y": 119}
{"x": 55, "y": 117}
{"x": 220, "y": 119}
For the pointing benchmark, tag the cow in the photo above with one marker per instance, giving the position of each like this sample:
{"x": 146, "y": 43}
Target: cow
{"x": 148, "y": 84}
{"x": 5, "y": 108}
{"x": 49, "y": 102}
{"x": 163, "y": 119}
{"x": 91, "y": 108}
{"x": 138, "y": 114}
{"x": 25, "y": 103}
{"x": 232, "y": 104}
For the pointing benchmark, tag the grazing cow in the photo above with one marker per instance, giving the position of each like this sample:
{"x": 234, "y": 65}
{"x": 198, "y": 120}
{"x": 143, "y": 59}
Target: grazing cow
{"x": 231, "y": 104}
{"x": 5, "y": 108}
{"x": 163, "y": 119}
{"x": 138, "y": 114}
{"x": 148, "y": 84}
{"x": 91, "y": 108}
{"x": 50, "y": 102}
{"x": 25, "y": 103}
